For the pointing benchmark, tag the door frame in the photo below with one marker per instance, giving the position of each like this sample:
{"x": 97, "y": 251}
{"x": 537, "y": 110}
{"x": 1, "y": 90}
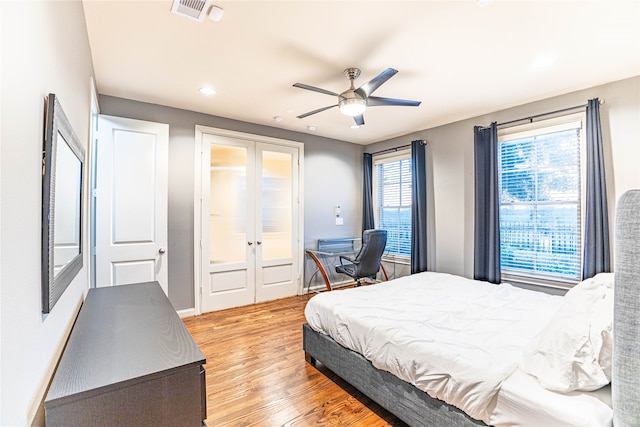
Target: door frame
{"x": 200, "y": 130}
{"x": 93, "y": 146}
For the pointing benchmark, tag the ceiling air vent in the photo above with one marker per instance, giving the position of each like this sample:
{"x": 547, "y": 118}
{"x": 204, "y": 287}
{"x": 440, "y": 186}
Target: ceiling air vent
{"x": 193, "y": 9}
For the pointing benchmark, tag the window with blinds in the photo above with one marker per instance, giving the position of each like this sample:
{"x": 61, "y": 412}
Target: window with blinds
{"x": 540, "y": 202}
{"x": 392, "y": 201}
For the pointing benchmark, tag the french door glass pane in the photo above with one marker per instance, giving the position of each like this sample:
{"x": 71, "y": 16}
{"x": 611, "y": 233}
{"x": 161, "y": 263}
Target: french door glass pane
{"x": 277, "y": 205}
{"x": 228, "y": 194}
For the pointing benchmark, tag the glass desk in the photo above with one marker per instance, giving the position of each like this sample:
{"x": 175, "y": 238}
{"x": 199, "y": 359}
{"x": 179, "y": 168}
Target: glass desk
{"x": 327, "y": 256}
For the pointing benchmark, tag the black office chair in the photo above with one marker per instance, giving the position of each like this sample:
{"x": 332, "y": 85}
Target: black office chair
{"x": 367, "y": 262}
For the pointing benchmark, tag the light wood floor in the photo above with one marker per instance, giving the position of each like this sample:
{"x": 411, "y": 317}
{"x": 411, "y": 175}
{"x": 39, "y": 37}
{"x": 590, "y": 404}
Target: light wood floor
{"x": 257, "y": 375}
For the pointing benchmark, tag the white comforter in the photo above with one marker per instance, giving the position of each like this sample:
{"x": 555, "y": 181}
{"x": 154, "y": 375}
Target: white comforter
{"x": 455, "y": 338}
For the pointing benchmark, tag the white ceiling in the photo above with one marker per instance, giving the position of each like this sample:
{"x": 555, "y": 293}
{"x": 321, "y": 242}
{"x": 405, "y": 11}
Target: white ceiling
{"x": 460, "y": 58}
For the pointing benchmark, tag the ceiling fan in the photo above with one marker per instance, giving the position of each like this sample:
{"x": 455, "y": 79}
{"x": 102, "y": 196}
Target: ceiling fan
{"x": 352, "y": 101}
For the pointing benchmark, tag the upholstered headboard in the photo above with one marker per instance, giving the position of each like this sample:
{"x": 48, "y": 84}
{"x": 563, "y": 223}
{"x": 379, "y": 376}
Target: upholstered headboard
{"x": 625, "y": 381}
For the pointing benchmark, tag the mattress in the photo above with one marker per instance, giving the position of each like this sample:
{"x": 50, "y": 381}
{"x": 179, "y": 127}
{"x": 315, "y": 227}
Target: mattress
{"x": 437, "y": 332}
{"x": 522, "y": 402}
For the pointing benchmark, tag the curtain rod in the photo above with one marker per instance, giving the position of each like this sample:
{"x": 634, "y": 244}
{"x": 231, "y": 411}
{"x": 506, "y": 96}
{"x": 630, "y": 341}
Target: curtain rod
{"x": 390, "y": 150}
{"x": 530, "y": 118}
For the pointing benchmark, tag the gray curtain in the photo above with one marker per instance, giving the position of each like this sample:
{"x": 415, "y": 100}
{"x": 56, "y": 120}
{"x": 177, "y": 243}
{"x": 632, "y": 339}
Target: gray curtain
{"x": 596, "y": 233}
{"x": 486, "y": 258}
{"x": 418, "y": 208}
{"x": 367, "y": 191}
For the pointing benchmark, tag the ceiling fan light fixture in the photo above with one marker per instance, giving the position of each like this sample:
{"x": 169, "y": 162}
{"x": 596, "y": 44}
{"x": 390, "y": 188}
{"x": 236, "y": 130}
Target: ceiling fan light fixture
{"x": 352, "y": 102}
{"x": 352, "y": 106}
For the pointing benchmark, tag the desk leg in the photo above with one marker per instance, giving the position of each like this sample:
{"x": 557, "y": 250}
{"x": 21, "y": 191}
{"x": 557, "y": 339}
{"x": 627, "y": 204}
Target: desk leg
{"x": 384, "y": 272}
{"x": 320, "y": 268}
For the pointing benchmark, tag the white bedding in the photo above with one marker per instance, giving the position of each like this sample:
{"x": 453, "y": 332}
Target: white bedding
{"x": 523, "y": 402}
{"x": 442, "y": 339}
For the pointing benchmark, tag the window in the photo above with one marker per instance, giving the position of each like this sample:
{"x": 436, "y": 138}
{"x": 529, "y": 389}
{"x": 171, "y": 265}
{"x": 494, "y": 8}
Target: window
{"x": 392, "y": 201}
{"x": 540, "y": 201}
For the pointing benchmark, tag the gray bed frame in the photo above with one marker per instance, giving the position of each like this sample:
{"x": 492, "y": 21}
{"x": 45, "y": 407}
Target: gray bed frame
{"x": 417, "y": 408}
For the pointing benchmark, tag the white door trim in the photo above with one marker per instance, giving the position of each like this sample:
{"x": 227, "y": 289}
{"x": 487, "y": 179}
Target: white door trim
{"x": 197, "y": 201}
{"x": 93, "y": 142}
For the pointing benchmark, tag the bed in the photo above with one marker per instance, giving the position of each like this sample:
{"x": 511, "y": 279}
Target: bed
{"x": 550, "y": 360}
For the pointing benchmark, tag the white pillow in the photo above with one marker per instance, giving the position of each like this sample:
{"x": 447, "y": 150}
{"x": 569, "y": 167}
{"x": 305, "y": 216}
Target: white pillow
{"x": 573, "y": 352}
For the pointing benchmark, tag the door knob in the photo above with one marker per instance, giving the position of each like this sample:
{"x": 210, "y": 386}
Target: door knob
{"x": 162, "y": 250}
{"x": 249, "y": 243}
{"x": 259, "y": 242}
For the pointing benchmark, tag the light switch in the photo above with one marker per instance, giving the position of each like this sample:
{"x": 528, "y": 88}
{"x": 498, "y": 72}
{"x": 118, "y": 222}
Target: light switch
{"x": 339, "y": 221}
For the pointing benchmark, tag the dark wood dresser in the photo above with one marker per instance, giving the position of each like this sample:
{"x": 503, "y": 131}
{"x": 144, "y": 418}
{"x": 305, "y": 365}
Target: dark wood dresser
{"x": 129, "y": 361}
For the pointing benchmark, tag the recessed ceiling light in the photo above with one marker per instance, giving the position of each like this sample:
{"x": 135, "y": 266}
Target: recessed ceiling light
{"x": 277, "y": 118}
{"x": 207, "y": 90}
{"x": 311, "y": 127}
{"x": 543, "y": 62}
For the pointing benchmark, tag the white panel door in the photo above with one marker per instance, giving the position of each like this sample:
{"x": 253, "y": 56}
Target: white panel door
{"x": 250, "y": 222}
{"x": 131, "y": 202}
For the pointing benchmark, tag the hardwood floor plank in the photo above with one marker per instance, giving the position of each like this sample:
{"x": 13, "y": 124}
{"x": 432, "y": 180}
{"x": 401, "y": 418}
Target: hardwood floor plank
{"x": 257, "y": 375}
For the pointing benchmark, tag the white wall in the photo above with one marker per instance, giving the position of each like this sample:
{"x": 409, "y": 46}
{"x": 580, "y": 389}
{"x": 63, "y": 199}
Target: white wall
{"x": 450, "y": 160}
{"x": 44, "y": 50}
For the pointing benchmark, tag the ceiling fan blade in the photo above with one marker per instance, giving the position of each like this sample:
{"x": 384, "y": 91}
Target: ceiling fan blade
{"x": 373, "y": 84}
{"x": 302, "y": 116}
{"x": 359, "y": 120}
{"x": 374, "y": 101}
{"x": 314, "y": 89}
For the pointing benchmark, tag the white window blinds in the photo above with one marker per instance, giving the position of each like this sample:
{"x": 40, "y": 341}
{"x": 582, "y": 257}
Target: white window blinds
{"x": 539, "y": 181}
{"x": 392, "y": 200}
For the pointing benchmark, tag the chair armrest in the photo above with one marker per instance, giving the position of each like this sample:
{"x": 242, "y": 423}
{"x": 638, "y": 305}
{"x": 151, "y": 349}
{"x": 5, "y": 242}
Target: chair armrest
{"x": 351, "y": 260}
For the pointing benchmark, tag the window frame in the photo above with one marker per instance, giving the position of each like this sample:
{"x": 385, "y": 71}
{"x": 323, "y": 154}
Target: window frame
{"x": 402, "y": 154}
{"x": 554, "y": 124}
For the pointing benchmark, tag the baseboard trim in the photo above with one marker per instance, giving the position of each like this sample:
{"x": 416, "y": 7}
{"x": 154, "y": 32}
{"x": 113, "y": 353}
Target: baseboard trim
{"x": 187, "y": 312}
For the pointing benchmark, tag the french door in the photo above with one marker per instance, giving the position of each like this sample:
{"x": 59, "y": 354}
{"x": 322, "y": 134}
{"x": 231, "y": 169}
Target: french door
{"x": 250, "y": 220}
